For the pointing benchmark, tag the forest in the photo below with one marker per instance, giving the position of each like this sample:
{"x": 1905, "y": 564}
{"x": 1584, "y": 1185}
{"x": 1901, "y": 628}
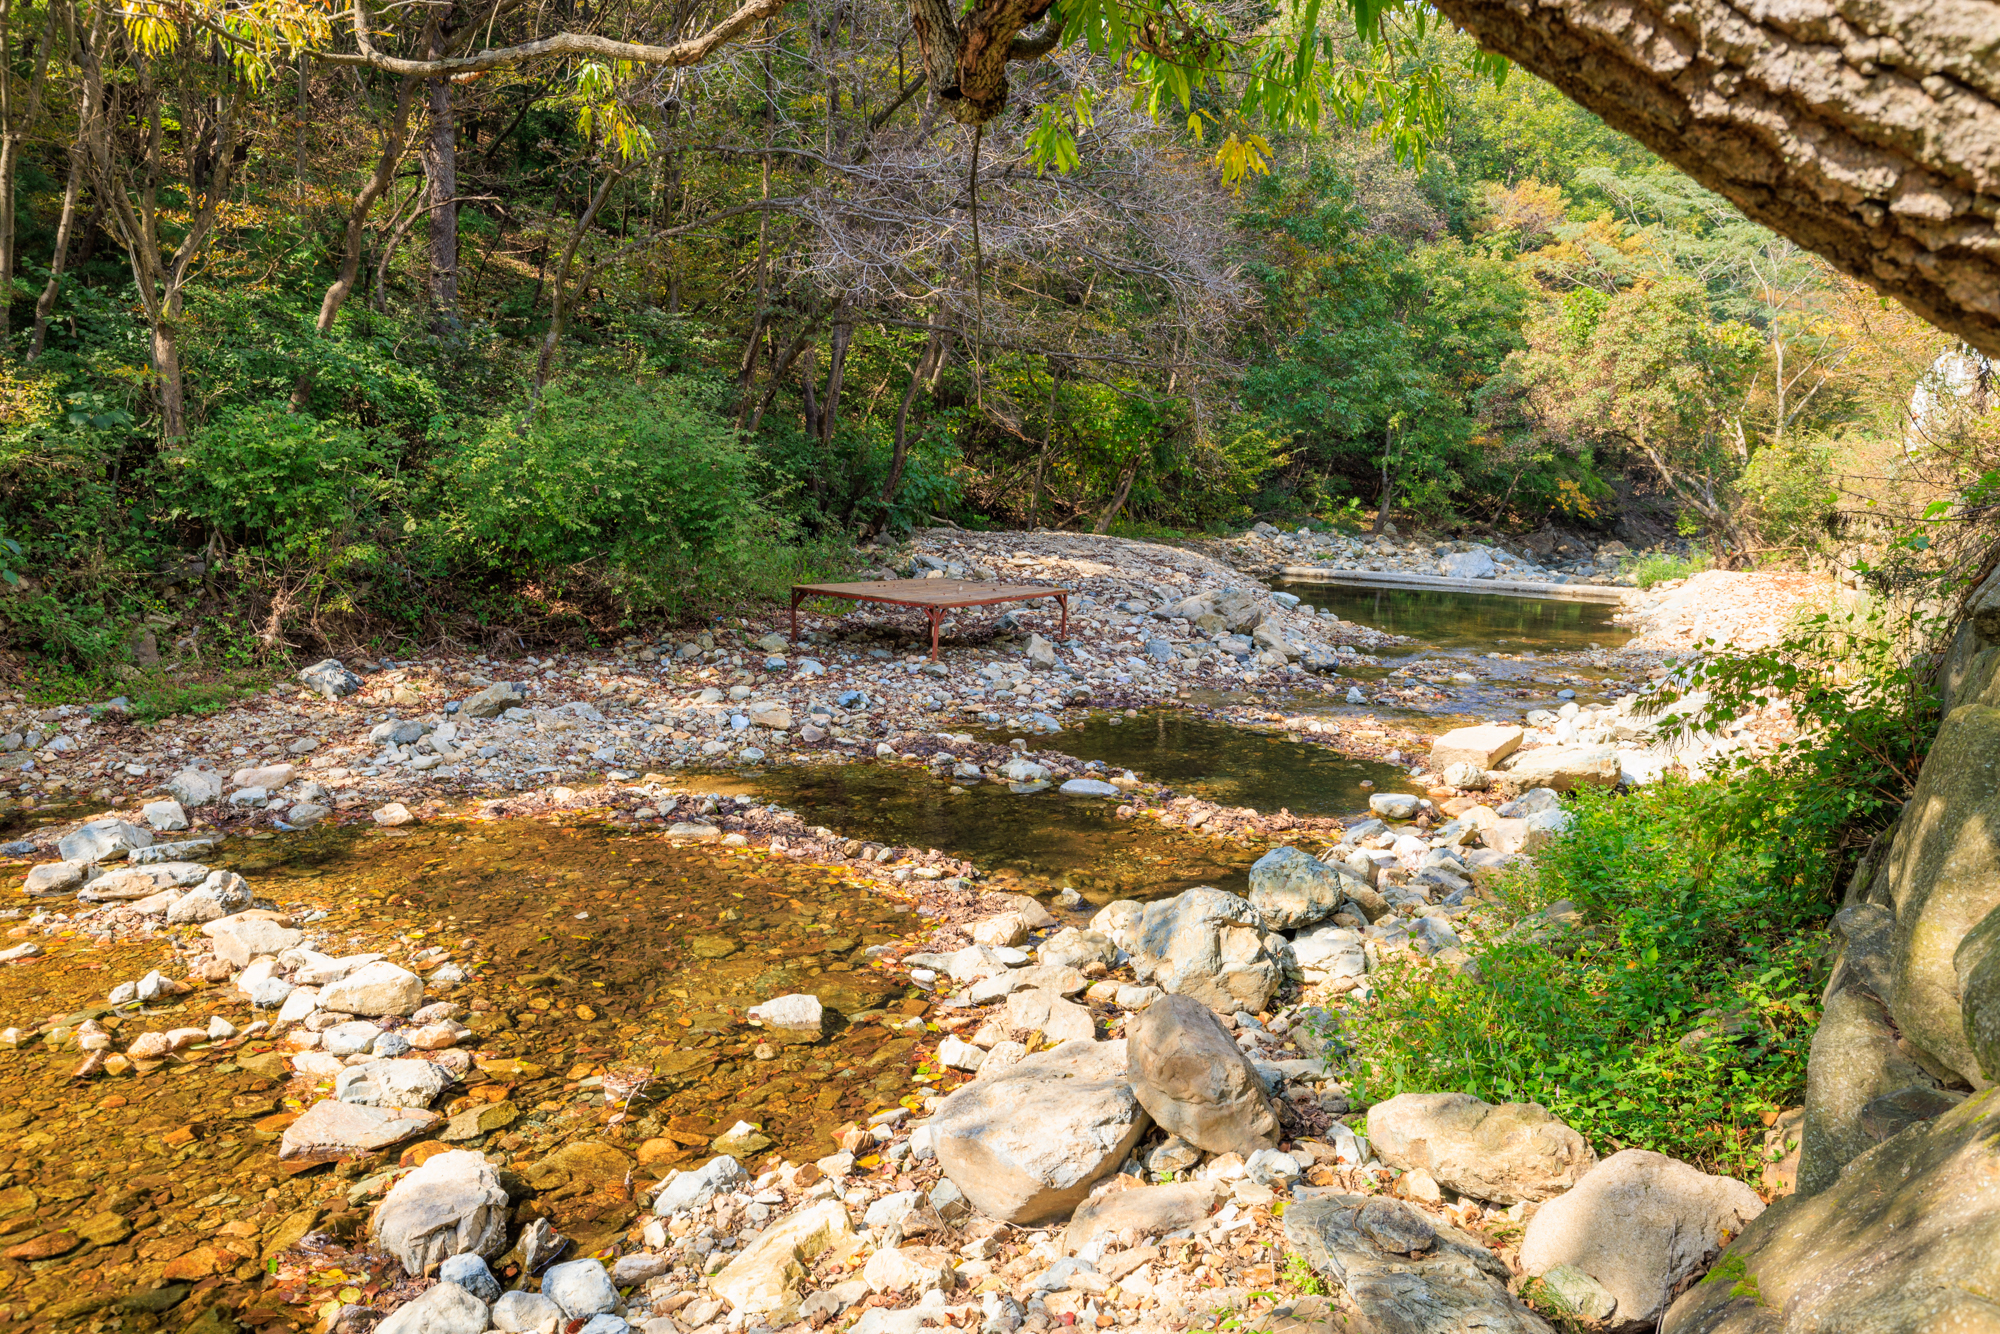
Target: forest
{"x": 301, "y": 350}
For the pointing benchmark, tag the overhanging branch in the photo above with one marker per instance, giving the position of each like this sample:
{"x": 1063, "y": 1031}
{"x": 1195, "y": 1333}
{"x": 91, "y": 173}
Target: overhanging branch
{"x": 691, "y": 51}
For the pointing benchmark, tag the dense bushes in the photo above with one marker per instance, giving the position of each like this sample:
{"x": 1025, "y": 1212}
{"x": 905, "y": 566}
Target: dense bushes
{"x": 647, "y": 489}
{"x": 1680, "y": 1011}
{"x": 1677, "y": 1015}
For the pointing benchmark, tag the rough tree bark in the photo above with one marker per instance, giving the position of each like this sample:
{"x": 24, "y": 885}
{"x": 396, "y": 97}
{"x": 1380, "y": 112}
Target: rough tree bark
{"x": 1867, "y": 131}
{"x": 440, "y": 159}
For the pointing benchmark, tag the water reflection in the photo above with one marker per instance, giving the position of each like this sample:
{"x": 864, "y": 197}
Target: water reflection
{"x": 1478, "y": 622}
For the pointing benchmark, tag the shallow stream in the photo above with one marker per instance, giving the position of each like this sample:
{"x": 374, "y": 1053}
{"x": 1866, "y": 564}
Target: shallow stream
{"x": 610, "y": 971}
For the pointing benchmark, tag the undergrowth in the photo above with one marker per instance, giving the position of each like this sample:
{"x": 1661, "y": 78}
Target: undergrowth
{"x": 1676, "y": 1007}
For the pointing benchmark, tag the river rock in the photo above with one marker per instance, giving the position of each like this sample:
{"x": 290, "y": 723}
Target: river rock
{"x": 101, "y": 840}
{"x": 1191, "y": 1077}
{"x": 1406, "y": 1272}
{"x": 1474, "y": 564}
{"x": 1129, "y": 1217}
{"x": 791, "y": 1019}
{"x": 1479, "y": 747}
{"x": 765, "y": 1278}
{"x": 401, "y": 1083}
{"x": 332, "y": 1129}
{"x": 1072, "y": 947}
{"x": 1088, "y": 787}
{"x": 54, "y": 878}
{"x": 376, "y": 989}
{"x": 1331, "y": 952}
{"x": 195, "y": 786}
{"x": 1641, "y": 1224}
{"x": 1504, "y": 1154}
{"x": 1119, "y": 922}
{"x": 164, "y": 815}
{"x": 1941, "y": 876}
{"x": 1395, "y": 805}
{"x": 975, "y": 963}
{"x": 1856, "y": 1058}
{"x": 1002, "y": 931}
{"x": 526, "y": 1313}
{"x": 1027, "y": 1144}
{"x": 453, "y": 1204}
{"x": 1033, "y": 1010}
{"x": 220, "y": 895}
{"x": 470, "y": 1272}
{"x": 692, "y": 1189}
{"x": 1293, "y": 888}
{"x": 1210, "y": 945}
{"x": 1564, "y": 768}
{"x": 1901, "y": 1243}
{"x": 443, "y": 1308}
{"x": 495, "y": 700}
{"x": 581, "y": 1288}
{"x": 329, "y": 677}
{"x": 247, "y": 935}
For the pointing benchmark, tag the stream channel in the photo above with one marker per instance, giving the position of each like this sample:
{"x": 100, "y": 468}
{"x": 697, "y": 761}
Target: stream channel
{"x": 609, "y": 970}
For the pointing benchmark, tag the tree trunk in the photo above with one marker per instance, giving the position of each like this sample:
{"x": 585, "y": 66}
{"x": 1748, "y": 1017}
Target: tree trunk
{"x": 167, "y": 366}
{"x": 394, "y": 139}
{"x": 1125, "y": 480}
{"x": 16, "y": 122}
{"x": 545, "y": 362}
{"x": 47, "y": 304}
{"x": 901, "y": 451}
{"x": 1863, "y": 132}
{"x": 440, "y": 159}
{"x": 836, "y": 371}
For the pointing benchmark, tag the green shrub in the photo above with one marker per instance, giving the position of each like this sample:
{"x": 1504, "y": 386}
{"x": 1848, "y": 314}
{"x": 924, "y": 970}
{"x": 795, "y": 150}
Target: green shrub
{"x": 1681, "y": 1012}
{"x": 1659, "y": 567}
{"x": 290, "y": 485}
{"x": 646, "y": 490}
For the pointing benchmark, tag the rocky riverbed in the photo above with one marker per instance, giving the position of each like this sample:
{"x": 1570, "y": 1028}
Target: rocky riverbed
{"x": 409, "y": 962}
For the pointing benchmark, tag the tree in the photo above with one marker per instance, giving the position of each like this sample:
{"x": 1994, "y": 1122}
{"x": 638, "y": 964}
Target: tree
{"x": 1866, "y": 133}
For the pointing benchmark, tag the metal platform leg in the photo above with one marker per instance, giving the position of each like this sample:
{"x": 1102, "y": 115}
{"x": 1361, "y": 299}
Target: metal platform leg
{"x": 936, "y": 617}
{"x": 797, "y": 596}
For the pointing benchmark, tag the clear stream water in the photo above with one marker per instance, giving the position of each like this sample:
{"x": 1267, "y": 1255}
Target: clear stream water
{"x": 1469, "y": 622}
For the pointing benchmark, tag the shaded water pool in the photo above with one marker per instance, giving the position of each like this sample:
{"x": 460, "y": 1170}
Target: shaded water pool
{"x": 1476, "y": 622}
{"x": 1052, "y": 841}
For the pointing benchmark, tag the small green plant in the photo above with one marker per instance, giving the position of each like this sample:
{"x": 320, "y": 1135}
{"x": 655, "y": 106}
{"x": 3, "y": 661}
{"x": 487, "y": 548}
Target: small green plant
{"x": 1301, "y": 1277}
{"x": 1659, "y": 567}
{"x": 1735, "y": 1271}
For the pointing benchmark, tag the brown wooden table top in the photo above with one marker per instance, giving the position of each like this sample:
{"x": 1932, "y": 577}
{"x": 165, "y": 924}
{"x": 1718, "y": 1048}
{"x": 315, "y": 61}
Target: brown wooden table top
{"x": 930, "y": 592}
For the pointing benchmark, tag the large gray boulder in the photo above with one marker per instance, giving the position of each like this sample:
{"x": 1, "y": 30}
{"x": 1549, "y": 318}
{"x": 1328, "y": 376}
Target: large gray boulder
{"x": 1903, "y": 1243}
{"x": 693, "y": 1188}
{"x": 1027, "y": 1144}
{"x": 1976, "y": 962}
{"x": 1942, "y": 875}
{"x": 1641, "y": 1224}
{"x": 101, "y": 840}
{"x": 452, "y": 1205}
{"x": 1293, "y": 888}
{"x": 1406, "y": 1272}
{"x": 1210, "y": 945}
{"x": 1192, "y": 1078}
{"x": 1506, "y": 1154}
{"x": 1855, "y": 1059}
